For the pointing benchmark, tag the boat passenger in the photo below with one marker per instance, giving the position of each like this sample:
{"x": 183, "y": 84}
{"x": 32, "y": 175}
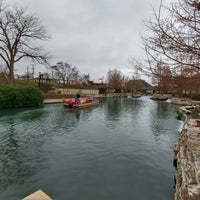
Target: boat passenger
{"x": 77, "y": 98}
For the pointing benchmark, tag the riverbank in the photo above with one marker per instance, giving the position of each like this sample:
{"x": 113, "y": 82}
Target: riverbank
{"x": 184, "y": 101}
{"x": 187, "y": 156}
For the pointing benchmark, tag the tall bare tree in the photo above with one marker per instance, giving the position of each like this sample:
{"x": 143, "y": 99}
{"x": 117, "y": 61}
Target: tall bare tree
{"x": 174, "y": 40}
{"x": 19, "y": 32}
{"x": 65, "y": 72}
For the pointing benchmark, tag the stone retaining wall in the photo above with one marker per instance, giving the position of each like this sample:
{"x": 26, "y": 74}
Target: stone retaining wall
{"x": 187, "y": 162}
{"x": 82, "y": 92}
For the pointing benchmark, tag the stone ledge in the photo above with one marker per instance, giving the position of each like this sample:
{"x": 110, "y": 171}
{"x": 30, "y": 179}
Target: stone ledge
{"x": 160, "y": 96}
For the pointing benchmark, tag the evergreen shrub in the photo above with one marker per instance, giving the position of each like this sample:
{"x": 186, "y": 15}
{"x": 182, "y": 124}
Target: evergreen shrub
{"x": 45, "y": 87}
{"x": 102, "y": 90}
{"x": 20, "y": 96}
{"x": 2, "y": 100}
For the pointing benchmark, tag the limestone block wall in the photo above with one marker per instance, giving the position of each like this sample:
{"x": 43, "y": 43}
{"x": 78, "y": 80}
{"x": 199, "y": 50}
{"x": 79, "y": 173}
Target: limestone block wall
{"x": 187, "y": 162}
{"x": 82, "y": 92}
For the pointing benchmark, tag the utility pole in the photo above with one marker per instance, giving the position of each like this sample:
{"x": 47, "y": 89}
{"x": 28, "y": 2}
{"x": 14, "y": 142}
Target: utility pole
{"x": 40, "y": 77}
{"x": 33, "y": 71}
{"x": 27, "y": 72}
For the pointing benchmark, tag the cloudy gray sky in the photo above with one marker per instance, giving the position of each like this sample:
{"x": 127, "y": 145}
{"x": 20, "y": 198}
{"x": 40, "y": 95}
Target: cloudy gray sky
{"x": 93, "y": 35}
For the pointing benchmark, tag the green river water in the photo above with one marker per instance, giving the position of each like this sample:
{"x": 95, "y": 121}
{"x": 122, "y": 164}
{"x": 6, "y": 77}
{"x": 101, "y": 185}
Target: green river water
{"x": 120, "y": 149}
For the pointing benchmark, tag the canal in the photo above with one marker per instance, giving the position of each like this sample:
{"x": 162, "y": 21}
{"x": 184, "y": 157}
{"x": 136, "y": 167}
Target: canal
{"x": 120, "y": 149}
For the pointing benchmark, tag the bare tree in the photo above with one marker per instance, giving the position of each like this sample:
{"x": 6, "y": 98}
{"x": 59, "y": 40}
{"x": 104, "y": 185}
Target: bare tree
{"x": 187, "y": 82}
{"x": 174, "y": 40}
{"x": 85, "y": 78}
{"x": 65, "y": 72}
{"x": 19, "y": 32}
{"x": 115, "y": 79}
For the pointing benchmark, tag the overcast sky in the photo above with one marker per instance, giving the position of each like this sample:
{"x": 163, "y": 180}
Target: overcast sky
{"x": 93, "y": 35}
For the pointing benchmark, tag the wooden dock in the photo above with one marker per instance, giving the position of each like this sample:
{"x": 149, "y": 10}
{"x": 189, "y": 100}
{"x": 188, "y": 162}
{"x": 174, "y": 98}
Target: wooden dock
{"x": 38, "y": 195}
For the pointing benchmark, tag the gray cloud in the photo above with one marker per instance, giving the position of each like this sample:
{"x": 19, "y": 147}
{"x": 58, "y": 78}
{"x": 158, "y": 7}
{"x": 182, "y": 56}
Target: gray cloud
{"x": 93, "y": 35}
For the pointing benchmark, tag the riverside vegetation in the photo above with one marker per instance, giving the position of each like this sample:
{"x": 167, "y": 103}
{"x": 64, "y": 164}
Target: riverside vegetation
{"x": 20, "y": 96}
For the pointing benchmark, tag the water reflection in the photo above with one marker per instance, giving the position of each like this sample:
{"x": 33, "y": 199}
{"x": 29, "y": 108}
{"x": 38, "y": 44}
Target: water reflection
{"x": 113, "y": 108}
{"x": 159, "y": 121}
{"x": 15, "y": 156}
{"x": 163, "y": 109}
{"x": 23, "y": 135}
{"x": 76, "y": 113}
{"x": 144, "y": 114}
{"x": 10, "y": 112}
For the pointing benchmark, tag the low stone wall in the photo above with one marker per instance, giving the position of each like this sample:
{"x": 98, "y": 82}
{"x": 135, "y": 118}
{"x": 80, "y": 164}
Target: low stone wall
{"x": 184, "y": 101}
{"x": 187, "y": 162}
{"x": 56, "y": 96}
{"x": 82, "y": 92}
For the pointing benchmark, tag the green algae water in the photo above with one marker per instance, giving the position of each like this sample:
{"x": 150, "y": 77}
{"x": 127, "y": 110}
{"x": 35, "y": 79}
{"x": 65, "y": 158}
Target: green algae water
{"x": 120, "y": 149}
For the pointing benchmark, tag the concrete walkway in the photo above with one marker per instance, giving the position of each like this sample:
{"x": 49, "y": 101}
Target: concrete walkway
{"x": 48, "y": 101}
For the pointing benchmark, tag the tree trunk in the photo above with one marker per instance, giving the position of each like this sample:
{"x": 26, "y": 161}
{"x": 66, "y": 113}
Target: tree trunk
{"x": 11, "y": 74}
